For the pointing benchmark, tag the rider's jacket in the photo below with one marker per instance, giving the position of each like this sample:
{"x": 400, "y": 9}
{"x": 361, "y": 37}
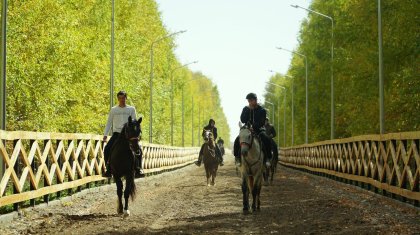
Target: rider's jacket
{"x": 255, "y": 117}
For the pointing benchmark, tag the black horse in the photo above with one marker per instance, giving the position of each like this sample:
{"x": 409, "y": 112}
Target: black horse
{"x": 122, "y": 161}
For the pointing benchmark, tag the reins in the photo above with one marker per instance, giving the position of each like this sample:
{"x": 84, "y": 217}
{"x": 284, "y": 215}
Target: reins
{"x": 250, "y": 147}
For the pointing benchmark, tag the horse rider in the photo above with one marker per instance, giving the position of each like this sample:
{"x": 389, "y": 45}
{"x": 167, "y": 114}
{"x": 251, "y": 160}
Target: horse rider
{"x": 271, "y": 132}
{"x": 220, "y": 141}
{"x": 117, "y": 117}
{"x": 221, "y": 145}
{"x": 210, "y": 127}
{"x": 255, "y": 115}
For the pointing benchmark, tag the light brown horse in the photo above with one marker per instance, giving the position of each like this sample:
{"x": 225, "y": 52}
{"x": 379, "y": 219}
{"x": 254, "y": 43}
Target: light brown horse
{"x": 211, "y": 163}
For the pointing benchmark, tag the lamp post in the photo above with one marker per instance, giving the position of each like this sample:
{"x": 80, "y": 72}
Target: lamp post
{"x": 306, "y": 75}
{"x": 278, "y": 119}
{"x": 3, "y": 74}
{"x": 192, "y": 100}
{"x": 284, "y": 111}
{"x": 192, "y": 121}
{"x": 111, "y": 80}
{"x": 381, "y": 73}
{"x": 332, "y": 64}
{"x": 293, "y": 110}
{"x": 172, "y": 101}
{"x": 151, "y": 80}
{"x": 272, "y": 105}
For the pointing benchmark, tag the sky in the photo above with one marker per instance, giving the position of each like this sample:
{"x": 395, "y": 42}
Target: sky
{"x": 235, "y": 43}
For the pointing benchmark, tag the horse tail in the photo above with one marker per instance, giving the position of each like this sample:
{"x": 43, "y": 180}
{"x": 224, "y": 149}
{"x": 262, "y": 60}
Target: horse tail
{"x": 132, "y": 187}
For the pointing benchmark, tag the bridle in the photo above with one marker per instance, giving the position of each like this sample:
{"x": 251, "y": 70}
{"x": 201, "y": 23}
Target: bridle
{"x": 131, "y": 140}
{"x": 250, "y": 146}
{"x": 246, "y": 143}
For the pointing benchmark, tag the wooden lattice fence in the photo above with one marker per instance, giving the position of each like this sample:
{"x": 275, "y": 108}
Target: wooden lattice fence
{"x": 39, "y": 164}
{"x": 388, "y": 162}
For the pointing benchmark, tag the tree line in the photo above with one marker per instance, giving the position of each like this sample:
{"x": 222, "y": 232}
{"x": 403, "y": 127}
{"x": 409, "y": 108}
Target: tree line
{"x": 58, "y": 70}
{"x": 356, "y": 83}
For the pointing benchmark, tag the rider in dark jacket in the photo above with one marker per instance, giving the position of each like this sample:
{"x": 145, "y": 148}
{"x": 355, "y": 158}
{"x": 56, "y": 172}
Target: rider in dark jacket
{"x": 210, "y": 127}
{"x": 271, "y": 132}
{"x": 255, "y": 115}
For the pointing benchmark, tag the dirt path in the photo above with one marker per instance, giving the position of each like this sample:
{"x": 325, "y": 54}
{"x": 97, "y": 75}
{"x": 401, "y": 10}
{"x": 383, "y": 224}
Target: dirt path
{"x": 179, "y": 202}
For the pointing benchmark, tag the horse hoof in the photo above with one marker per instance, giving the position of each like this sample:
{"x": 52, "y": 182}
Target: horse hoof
{"x": 126, "y": 213}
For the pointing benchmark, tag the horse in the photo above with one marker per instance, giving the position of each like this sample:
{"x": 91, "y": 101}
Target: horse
{"x": 268, "y": 173}
{"x": 251, "y": 168}
{"x": 211, "y": 163}
{"x": 122, "y": 162}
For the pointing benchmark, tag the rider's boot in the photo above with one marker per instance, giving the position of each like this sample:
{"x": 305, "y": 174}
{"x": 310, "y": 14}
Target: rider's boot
{"x": 198, "y": 162}
{"x": 138, "y": 172}
{"x": 221, "y": 163}
{"x": 107, "y": 173}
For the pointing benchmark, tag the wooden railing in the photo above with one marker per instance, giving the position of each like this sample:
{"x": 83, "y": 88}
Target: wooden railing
{"x": 388, "y": 162}
{"x": 39, "y": 164}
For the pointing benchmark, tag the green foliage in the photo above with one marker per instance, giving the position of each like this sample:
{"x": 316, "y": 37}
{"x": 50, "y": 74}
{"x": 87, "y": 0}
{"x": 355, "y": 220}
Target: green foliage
{"x": 58, "y": 69}
{"x": 356, "y": 82}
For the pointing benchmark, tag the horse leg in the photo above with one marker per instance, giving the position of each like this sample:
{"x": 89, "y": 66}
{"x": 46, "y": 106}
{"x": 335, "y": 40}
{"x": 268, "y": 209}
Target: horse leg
{"x": 213, "y": 177}
{"x": 245, "y": 193}
{"x": 130, "y": 189}
{"x": 273, "y": 169}
{"x": 266, "y": 174}
{"x": 119, "y": 193}
{"x": 254, "y": 197}
{"x": 258, "y": 197}
{"x": 208, "y": 176}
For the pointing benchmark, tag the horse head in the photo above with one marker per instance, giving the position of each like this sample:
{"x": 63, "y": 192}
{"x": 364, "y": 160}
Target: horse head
{"x": 245, "y": 139}
{"x": 132, "y": 133}
{"x": 208, "y": 137}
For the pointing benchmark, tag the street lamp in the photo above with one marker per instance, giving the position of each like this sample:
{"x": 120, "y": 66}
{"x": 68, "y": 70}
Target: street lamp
{"x": 278, "y": 119}
{"x": 332, "y": 64}
{"x": 293, "y": 110}
{"x": 172, "y": 100}
{"x": 3, "y": 74}
{"x": 111, "y": 81}
{"x": 272, "y": 105}
{"x": 192, "y": 113}
{"x": 306, "y": 75}
{"x": 284, "y": 111}
{"x": 151, "y": 79}
{"x": 381, "y": 73}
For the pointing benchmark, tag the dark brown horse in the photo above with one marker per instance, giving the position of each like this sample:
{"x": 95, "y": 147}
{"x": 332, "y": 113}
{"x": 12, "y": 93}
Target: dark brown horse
{"x": 211, "y": 163}
{"x": 269, "y": 171}
{"x": 122, "y": 161}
